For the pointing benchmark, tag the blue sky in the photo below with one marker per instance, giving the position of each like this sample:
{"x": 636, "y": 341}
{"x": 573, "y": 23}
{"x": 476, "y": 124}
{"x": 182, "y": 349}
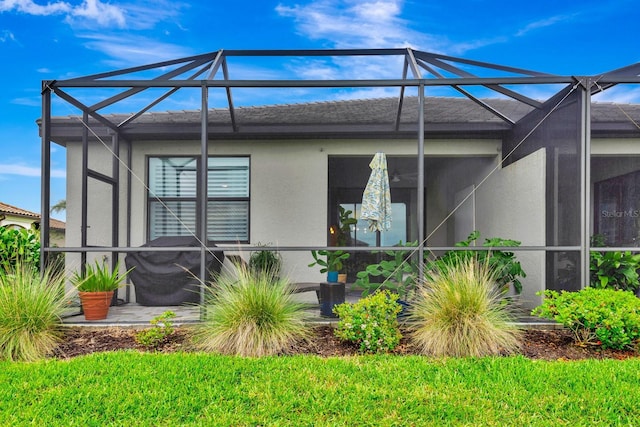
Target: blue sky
{"x": 61, "y": 39}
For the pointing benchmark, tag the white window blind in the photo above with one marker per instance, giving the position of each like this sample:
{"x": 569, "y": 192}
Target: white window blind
{"x": 172, "y": 176}
{"x": 172, "y": 218}
{"x": 172, "y": 197}
{"x": 228, "y": 177}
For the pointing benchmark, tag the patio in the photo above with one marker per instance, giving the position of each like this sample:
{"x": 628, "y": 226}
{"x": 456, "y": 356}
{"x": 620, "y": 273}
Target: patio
{"x": 136, "y": 315}
{"x": 132, "y": 314}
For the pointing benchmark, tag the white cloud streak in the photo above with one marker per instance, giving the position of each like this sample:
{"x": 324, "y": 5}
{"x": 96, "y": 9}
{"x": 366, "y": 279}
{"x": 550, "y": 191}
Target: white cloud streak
{"x": 103, "y": 14}
{"x": 7, "y": 36}
{"x": 361, "y": 24}
{"x": 543, "y": 23}
{"x": 92, "y": 13}
{"x": 125, "y": 50}
{"x": 28, "y": 102}
{"x": 31, "y": 8}
{"x": 28, "y": 171}
{"x": 89, "y": 12}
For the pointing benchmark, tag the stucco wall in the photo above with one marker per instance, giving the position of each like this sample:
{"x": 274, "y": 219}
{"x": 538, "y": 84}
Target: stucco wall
{"x": 511, "y": 205}
{"x": 289, "y": 185}
{"x": 11, "y": 220}
{"x": 99, "y": 205}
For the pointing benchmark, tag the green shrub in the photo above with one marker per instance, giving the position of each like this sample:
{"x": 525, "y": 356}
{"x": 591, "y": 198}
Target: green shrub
{"x": 254, "y": 314}
{"x": 372, "y": 322}
{"x": 615, "y": 270}
{"x": 606, "y": 317}
{"x": 458, "y": 311}
{"x": 398, "y": 271}
{"x": 504, "y": 264}
{"x": 19, "y": 246}
{"x": 162, "y": 328}
{"x": 31, "y": 307}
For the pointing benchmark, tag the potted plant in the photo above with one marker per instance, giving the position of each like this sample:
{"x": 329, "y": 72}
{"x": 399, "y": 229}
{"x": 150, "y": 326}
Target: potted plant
{"x": 330, "y": 262}
{"x": 264, "y": 261}
{"x": 397, "y": 272}
{"x": 346, "y": 220}
{"x": 96, "y": 287}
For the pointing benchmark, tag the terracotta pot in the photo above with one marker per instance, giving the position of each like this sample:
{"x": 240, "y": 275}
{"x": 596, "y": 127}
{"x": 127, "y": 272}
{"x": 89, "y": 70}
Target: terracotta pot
{"x": 342, "y": 278}
{"x": 95, "y": 305}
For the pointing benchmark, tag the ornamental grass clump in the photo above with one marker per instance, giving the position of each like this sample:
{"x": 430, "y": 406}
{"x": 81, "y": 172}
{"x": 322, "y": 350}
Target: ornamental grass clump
{"x": 31, "y": 309}
{"x": 253, "y": 314}
{"x": 458, "y": 311}
{"x": 371, "y": 323}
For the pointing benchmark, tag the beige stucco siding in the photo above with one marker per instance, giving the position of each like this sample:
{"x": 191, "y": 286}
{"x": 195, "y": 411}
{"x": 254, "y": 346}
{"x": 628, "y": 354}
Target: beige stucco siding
{"x": 289, "y": 185}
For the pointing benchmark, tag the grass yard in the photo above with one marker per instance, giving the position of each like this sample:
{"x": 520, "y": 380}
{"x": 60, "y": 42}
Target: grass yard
{"x": 137, "y": 389}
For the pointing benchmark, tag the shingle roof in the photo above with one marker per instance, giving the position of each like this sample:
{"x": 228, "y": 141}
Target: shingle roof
{"x": 343, "y": 117}
{"x": 374, "y": 110}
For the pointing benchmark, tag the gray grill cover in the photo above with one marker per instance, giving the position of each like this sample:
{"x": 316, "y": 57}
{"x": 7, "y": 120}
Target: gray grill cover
{"x": 167, "y": 278}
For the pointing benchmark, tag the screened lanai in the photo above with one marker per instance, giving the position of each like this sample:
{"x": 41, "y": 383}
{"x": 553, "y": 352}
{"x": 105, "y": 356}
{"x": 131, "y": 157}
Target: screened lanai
{"x": 547, "y": 160}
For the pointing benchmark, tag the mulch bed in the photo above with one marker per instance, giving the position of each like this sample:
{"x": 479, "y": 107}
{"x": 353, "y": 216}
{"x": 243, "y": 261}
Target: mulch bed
{"x": 554, "y": 344}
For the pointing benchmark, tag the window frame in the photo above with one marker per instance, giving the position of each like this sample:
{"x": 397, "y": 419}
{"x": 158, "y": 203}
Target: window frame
{"x": 153, "y": 198}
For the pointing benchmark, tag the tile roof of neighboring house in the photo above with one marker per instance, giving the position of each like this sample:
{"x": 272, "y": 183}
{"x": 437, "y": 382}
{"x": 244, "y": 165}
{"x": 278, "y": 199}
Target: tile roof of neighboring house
{"x": 12, "y": 210}
{"x": 5, "y": 208}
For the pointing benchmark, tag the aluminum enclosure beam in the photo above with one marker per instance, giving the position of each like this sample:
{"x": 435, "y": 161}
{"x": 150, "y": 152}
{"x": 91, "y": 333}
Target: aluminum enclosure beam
{"x": 205, "y": 75}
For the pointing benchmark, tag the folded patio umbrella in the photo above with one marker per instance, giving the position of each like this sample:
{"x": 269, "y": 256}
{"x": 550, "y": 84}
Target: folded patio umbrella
{"x": 376, "y": 199}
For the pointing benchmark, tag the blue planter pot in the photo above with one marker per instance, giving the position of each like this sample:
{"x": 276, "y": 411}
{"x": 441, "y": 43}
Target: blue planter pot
{"x": 332, "y": 276}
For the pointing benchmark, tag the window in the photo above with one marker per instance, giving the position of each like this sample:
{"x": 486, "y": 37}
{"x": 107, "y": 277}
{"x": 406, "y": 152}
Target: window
{"x": 617, "y": 209}
{"x": 362, "y": 236}
{"x": 173, "y": 183}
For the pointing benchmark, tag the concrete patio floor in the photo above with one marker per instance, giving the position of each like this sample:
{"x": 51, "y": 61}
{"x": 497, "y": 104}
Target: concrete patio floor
{"x": 132, "y": 314}
{"x": 135, "y": 315}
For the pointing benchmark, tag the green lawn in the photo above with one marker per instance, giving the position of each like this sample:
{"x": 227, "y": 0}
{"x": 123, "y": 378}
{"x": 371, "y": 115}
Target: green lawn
{"x": 131, "y": 388}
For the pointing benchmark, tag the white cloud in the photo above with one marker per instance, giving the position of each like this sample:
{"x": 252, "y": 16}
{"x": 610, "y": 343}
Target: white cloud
{"x": 365, "y": 24}
{"x": 143, "y": 14}
{"x": 104, "y": 14}
{"x": 89, "y": 11}
{"x": 29, "y": 102}
{"x": 31, "y": 8}
{"x": 7, "y": 36}
{"x": 126, "y": 50}
{"x": 146, "y": 14}
{"x": 354, "y": 25}
{"x": 621, "y": 94}
{"x": 542, "y": 23}
{"x": 28, "y": 171}
{"x": 371, "y": 24}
